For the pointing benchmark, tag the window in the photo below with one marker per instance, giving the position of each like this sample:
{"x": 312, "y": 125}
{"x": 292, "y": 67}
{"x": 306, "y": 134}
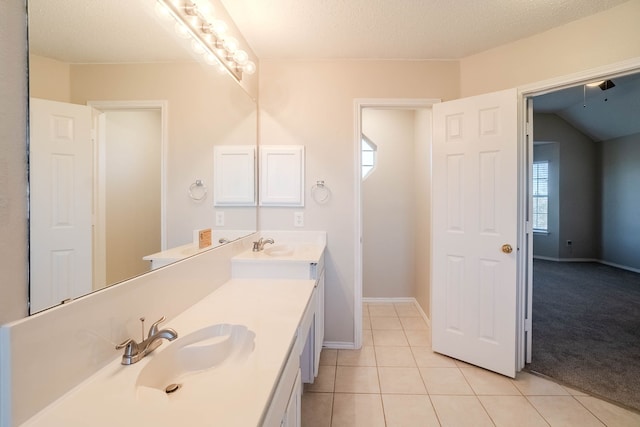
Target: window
{"x": 540, "y": 196}
{"x": 368, "y": 156}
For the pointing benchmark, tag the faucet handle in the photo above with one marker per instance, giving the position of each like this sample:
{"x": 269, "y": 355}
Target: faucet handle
{"x": 130, "y": 347}
{"x": 154, "y": 328}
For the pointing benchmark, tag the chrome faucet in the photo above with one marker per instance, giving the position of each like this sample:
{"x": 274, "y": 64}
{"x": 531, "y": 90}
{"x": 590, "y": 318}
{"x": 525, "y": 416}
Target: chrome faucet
{"x": 259, "y": 245}
{"x": 135, "y": 352}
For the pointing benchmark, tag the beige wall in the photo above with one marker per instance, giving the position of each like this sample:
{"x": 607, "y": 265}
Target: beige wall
{"x": 132, "y": 180}
{"x": 49, "y": 79}
{"x": 422, "y": 206}
{"x": 13, "y": 175}
{"x": 598, "y": 40}
{"x": 312, "y": 103}
{"x": 388, "y": 205}
{"x": 198, "y": 117}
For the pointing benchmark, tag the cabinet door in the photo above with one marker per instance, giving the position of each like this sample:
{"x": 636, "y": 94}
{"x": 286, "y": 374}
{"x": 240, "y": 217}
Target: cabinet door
{"x": 293, "y": 414}
{"x": 234, "y": 180}
{"x": 319, "y": 323}
{"x": 281, "y": 175}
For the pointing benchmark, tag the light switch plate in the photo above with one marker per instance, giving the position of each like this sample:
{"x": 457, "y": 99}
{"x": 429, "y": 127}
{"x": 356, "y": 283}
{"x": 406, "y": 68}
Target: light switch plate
{"x": 298, "y": 219}
{"x": 220, "y": 219}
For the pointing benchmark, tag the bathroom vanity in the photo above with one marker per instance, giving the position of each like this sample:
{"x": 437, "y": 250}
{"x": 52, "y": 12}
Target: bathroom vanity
{"x": 242, "y": 353}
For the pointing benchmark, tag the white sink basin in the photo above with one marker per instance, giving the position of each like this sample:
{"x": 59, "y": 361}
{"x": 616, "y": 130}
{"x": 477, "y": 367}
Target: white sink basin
{"x": 194, "y": 354}
{"x": 278, "y": 250}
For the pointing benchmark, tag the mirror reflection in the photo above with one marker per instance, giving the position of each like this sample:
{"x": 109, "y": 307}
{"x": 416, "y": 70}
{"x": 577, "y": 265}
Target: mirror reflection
{"x": 124, "y": 119}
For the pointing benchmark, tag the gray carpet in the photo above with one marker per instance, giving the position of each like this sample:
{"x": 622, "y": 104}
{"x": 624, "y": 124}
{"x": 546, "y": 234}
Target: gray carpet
{"x": 586, "y": 328}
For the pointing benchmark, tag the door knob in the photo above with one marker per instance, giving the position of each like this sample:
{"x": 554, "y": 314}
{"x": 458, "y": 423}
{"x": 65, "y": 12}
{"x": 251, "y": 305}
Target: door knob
{"x": 507, "y": 249}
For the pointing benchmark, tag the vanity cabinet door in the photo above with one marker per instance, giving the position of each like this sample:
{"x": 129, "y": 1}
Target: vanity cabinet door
{"x": 293, "y": 414}
{"x": 319, "y": 323}
{"x": 281, "y": 175}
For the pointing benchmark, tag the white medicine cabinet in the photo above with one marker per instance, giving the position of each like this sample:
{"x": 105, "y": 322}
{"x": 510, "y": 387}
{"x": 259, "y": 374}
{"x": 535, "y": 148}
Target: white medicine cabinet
{"x": 234, "y": 176}
{"x": 281, "y": 175}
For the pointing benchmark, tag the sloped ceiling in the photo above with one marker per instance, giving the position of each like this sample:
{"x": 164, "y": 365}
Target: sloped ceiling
{"x": 601, "y": 115}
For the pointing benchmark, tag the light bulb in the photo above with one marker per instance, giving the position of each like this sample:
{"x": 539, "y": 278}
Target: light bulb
{"x": 219, "y": 27}
{"x": 205, "y": 8}
{"x": 191, "y": 9}
{"x": 241, "y": 57}
{"x": 230, "y": 44}
{"x": 249, "y": 67}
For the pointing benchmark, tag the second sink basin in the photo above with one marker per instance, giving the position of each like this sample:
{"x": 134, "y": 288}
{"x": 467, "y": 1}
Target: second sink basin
{"x": 195, "y": 353}
{"x": 279, "y": 250}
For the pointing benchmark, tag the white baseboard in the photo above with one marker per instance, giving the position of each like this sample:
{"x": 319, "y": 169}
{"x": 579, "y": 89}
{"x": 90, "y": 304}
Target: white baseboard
{"x": 622, "y": 267}
{"x": 599, "y": 261}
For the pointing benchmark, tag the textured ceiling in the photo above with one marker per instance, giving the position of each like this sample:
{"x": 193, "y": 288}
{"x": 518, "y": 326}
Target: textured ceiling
{"x": 397, "y": 29}
{"x": 119, "y": 31}
{"x": 102, "y": 31}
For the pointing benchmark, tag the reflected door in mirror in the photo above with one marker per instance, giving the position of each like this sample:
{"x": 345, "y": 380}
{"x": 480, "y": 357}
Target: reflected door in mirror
{"x": 61, "y": 178}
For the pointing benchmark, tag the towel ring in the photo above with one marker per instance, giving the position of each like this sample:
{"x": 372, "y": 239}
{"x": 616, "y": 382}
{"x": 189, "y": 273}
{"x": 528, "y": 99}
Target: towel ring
{"x": 320, "y": 193}
{"x": 198, "y": 191}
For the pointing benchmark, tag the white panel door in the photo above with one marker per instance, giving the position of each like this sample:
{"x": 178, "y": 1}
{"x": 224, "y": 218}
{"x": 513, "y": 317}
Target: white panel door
{"x": 474, "y": 225}
{"x": 61, "y": 180}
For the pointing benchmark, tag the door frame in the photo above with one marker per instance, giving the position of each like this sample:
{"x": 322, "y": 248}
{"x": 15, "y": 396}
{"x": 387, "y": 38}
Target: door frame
{"x": 99, "y": 217}
{"x": 525, "y": 196}
{"x": 359, "y": 105}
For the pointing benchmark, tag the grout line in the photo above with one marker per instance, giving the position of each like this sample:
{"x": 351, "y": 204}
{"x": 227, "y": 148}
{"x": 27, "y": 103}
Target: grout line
{"x": 429, "y": 395}
{"x": 536, "y": 409}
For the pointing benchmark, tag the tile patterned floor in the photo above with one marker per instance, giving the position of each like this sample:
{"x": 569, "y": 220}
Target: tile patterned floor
{"x": 396, "y": 380}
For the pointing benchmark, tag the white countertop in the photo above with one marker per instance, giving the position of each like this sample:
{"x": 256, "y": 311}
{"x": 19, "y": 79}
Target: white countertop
{"x": 238, "y": 396}
{"x": 297, "y": 252}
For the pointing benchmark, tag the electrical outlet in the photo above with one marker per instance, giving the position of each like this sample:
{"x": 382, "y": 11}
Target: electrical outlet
{"x": 220, "y": 219}
{"x": 298, "y": 219}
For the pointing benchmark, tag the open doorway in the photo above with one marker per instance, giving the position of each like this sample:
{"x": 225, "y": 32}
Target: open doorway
{"x": 398, "y": 136}
{"x": 129, "y": 187}
{"x": 395, "y": 186}
{"x": 586, "y": 267}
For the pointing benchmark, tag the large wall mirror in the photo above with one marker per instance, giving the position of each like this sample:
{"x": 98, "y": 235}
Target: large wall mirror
{"x": 124, "y": 119}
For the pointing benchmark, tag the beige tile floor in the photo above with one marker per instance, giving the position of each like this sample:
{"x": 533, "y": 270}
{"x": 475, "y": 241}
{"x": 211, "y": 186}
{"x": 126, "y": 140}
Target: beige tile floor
{"x": 396, "y": 380}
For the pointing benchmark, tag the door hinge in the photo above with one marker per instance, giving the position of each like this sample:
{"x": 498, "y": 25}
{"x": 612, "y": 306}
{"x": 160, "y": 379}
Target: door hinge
{"x": 527, "y": 324}
{"x": 529, "y": 227}
{"x": 529, "y": 129}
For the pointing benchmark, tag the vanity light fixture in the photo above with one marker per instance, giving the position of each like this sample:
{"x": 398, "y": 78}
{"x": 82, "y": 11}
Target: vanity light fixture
{"x": 209, "y": 36}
